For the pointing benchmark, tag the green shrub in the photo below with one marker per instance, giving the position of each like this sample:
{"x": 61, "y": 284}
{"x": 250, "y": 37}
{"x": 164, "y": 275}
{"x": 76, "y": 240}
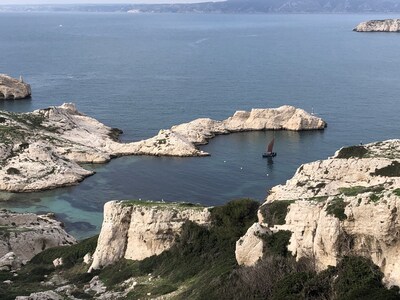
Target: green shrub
{"x": 352, "y": 152}
{"x": 274, "y": 213}
{"x": 13, "y": 171}
{"x": 397, "y": 192}
{"x": 70, "y": 254}
{"x": 291, "y": 286}
{"x": 336, "y": 208}
{"x": 393, "y": 170}
{"x": 277, "y": 242}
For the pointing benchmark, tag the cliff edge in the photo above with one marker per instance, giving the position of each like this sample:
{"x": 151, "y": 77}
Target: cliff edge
{"x": 139, "y": 229}
{"x": 346, "y": 205}
{"x": 13, "y": 89}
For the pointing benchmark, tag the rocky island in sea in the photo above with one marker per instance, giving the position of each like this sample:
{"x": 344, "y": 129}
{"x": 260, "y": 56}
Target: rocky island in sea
{"x": 388, "y": 25}
{"x": 13, "y": 89}
{"x": 42, "y": 149}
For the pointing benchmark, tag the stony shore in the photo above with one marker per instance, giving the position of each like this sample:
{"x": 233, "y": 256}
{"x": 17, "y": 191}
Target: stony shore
{"x": 42, "y": 149}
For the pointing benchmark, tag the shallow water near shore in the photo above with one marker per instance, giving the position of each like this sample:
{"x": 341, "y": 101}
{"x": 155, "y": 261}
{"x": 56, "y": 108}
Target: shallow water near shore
{"x": 142, "y": 73}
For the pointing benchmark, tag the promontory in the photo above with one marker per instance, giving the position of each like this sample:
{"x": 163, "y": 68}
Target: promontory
{"x": 13, "y": 89}
{"x": 42, "y": 149}
{"x": 388, "y": 25}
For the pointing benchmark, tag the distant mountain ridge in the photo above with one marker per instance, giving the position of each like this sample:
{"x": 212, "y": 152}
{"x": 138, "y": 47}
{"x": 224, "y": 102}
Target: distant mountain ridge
{"x": 232, "y": 6}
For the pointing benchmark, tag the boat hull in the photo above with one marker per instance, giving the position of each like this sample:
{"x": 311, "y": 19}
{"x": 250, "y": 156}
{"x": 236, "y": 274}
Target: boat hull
{"x": 269, "y": 154}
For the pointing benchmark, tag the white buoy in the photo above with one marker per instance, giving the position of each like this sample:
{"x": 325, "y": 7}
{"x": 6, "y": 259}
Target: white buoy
{"x": 241, "y": 168}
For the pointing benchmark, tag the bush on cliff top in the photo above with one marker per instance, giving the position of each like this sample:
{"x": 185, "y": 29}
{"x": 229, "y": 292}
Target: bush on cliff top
{"x": 352, "y": 152}
{"x": 274, "y": 213}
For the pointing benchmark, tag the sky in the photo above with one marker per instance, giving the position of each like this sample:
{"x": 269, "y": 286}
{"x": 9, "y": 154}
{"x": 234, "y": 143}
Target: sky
{"x": 96, "y": 1}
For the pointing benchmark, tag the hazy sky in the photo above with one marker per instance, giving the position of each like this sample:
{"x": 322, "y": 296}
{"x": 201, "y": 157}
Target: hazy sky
{"x": 94, "y": 1}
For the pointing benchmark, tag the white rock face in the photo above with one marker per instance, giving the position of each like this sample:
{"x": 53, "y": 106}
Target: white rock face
{"x": 42, "y": 149}
{"x": 366, "y": 188}
{"x": 388, "y": 25}
{"x": 136, "y": 231}
{"x": 48, "y": 295}
{"x": 28, "y": 234}
{"x": 249, "y": 248}
{"x": 13, "y": 89}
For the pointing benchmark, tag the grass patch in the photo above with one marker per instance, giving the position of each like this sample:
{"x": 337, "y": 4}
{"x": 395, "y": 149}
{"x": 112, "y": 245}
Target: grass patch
{"x": 355, "y": 190}
{"x": 178, "y": 205}
{"x": 336, "y": 208}
{"x": 397, "y": 192}
{"x": 352, "y": 152}
{"x": 393, "y": 170}
{"x": 274, "y": 213}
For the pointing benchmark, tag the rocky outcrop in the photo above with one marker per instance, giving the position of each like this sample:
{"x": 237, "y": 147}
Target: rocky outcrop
{"x": 42, "y": 149}
{"x": 136, "y": 230}
{"x": 347, "y": 204}
{"x": 13, "y": 89}
{"x": 22, "y": 236}
{"x": 388, "y": 25}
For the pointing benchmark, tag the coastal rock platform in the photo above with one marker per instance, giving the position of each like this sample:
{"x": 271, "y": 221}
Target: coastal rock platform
{"x": 42, "y": 149}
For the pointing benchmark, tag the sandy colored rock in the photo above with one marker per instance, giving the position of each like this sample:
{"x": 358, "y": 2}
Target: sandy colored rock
{"x": 249, "y": 248}
{"x": 41, "y": 150}
{"x": 136, "y": 231}
{"x": 28, "y": 234}
{"x": 367, "y": 188}
{"x": 13, "y": 89}
{"x": 388, "y": 25}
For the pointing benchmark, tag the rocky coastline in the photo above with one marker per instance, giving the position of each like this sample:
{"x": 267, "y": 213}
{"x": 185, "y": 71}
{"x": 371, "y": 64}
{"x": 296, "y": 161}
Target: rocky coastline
{"x": 13, "y": 89}
{"x": 344, "y": 205}
{"x": 388, "y": 25}
{"x": 42, "y": 149}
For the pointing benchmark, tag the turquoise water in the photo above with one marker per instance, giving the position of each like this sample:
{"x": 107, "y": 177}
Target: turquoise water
{"x": 145, "y": 72}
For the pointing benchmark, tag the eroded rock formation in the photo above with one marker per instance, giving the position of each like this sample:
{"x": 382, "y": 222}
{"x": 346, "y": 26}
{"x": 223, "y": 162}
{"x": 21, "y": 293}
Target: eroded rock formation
{"x": 22, "y": 236}
{"x": 388, "y": 25}
{"x": 42, "y": 149}
{"x": 136, "y": 230}
{"x": 347, "y": 204}
{"x": 13, "y": 89}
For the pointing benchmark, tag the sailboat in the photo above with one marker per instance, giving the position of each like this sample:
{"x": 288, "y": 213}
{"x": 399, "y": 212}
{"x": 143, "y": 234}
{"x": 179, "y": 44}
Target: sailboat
{"x": 269, "y": 152}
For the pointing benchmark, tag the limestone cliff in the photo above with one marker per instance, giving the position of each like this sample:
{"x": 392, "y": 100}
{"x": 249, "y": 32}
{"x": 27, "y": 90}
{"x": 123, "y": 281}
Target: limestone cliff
{"x": 347, "y": 204}
{"x": 42, "y": 149}
{"x": 13, "y": 89}
{"x": 22, "y": 236}
{"x": 388, "y": 25}
{"x": 136, "y": 230}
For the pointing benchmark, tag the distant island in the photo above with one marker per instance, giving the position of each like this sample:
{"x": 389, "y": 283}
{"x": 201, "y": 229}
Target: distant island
{"x": 388, "y": 25}
{"x": 230, "y": 6}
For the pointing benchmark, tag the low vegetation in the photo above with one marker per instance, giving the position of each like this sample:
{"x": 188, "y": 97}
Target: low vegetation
{"x": 202, "y": 265}
{"x": 352, "y": 152}
{"x": 355, "y": 190}
{"x": 392, "y": 170}
{"x": 336, "y": 208}
{"x": 274, "y": 213}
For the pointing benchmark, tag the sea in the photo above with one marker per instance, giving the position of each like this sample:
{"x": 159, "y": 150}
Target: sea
{"x": 145, "y": 72}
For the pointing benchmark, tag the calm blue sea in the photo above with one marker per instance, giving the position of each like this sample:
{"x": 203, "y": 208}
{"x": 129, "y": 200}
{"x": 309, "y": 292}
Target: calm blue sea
{"x": 144, "y": 72}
